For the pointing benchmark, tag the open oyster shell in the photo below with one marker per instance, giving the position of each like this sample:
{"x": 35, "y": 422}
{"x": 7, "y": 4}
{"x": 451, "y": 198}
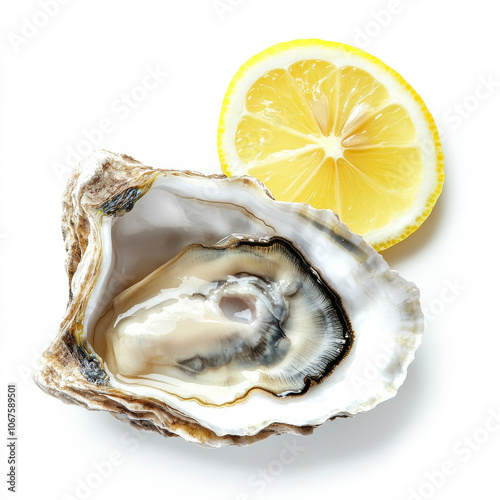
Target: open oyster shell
{"x": 201, "y": 307}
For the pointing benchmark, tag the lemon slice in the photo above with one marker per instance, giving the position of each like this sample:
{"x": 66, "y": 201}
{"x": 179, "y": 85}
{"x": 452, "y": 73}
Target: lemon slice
{"x": 327, "y": 124}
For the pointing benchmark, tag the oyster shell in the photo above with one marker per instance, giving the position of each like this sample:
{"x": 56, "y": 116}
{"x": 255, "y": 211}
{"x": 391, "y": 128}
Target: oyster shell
{"x": 201, "y": 307}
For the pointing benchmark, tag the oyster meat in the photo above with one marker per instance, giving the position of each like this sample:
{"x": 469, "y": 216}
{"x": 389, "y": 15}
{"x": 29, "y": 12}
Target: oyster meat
{"x": 201, "y": 307}
{"x": 220, "y": 321}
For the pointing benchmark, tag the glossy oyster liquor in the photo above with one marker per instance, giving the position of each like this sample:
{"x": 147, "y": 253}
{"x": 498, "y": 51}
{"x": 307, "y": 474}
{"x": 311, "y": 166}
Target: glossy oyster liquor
{"x": 201, "y": 307}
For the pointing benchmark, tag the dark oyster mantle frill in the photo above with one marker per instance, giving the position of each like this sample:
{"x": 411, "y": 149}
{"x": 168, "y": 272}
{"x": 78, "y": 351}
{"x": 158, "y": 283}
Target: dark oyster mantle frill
{"x": 298, "y": 307}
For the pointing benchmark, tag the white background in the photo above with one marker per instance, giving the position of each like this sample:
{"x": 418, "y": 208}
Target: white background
{"x": 62, "y": 74}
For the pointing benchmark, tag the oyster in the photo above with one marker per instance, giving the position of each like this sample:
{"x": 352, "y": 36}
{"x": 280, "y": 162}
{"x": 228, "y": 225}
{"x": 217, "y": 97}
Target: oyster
{"x": 201, "y": 307}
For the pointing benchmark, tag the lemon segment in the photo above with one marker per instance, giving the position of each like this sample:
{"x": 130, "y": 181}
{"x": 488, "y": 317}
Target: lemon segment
{"x": 329, "y": 125}
{"x": 257, "y": 140}
{"x": 297, "y": 168}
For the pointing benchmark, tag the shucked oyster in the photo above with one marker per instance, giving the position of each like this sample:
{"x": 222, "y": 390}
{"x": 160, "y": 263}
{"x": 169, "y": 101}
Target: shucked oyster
{"x": 216, "y": 322}
{"x": 201, "y": 307}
